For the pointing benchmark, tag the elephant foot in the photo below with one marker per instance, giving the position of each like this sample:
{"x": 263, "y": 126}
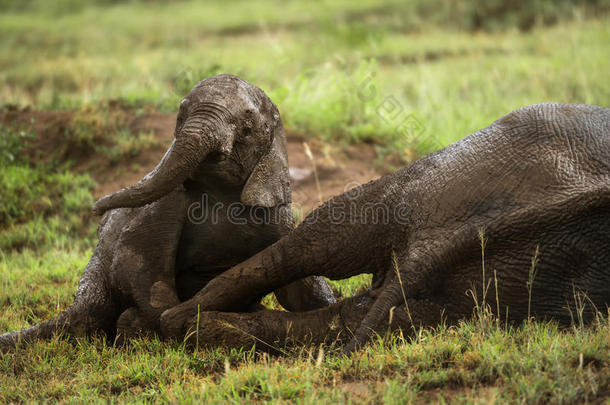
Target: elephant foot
{"x": 306, "y": 294}
{"x": 173, "y": 321}
{"x": 131, "y": 324}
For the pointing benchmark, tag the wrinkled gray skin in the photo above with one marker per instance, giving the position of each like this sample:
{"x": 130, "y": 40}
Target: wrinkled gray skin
{"x": 229, "y": 146}
{"x": 538, "y": 177}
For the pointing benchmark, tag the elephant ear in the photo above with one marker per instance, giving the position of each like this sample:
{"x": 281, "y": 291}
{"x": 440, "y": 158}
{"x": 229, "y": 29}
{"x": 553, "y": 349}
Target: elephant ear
{"x": 269, "y": 184}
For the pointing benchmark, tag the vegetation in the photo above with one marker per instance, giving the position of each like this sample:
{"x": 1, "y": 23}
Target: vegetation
{"x": 426, "y": 60}
{"x": 41, "y": 201}
{"x": 535, "y": 363}
{"x": 408, "y": 77}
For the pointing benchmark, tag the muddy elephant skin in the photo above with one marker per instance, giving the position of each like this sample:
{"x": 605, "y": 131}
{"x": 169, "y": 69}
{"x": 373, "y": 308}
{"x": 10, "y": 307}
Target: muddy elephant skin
{"x": 534, "y": 186}
{"x": 220, "y": 194}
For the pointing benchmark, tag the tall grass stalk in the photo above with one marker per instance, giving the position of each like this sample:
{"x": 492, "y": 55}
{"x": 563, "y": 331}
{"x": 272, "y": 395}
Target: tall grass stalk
{"x": 533, "y": 271}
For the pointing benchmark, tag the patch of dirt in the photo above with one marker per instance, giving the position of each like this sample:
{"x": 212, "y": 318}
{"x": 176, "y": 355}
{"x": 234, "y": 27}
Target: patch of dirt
{"x": 110, "y": 178}
{"x": 368, "y": 391}
{"x": 480, "y": 394}
{"x": 326, "y": 171}
{"x": 356, "y": 390}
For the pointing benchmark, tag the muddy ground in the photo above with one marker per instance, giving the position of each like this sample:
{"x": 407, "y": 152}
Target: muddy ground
{"x": 76, "y": 137}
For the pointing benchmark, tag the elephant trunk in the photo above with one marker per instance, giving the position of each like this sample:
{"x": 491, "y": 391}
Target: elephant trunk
{"x": 179, "y": 162}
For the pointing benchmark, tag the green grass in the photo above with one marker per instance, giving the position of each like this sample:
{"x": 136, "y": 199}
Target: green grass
{"x": 335, "y": 70}
{"x": 40, "y": 202}
{"x": 312, "y": 60}
{"x": 534, "y": 363}
{"x": 478, "y": 361}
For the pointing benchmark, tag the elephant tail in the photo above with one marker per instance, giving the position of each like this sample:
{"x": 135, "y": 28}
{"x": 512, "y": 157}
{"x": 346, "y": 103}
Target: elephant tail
{"x": 93, "y": 311}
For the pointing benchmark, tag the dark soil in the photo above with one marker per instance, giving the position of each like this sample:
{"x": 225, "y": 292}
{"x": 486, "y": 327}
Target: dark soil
{"x": 74, "y": 136}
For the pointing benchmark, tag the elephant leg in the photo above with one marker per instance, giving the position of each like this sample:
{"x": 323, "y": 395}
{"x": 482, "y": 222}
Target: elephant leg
{"x": 269, "y": 329}
{"x": 306, "y": 294}
{"x": 132, "y": 324}
{"x": 236, "y": 288}
{"x": 189, "y": 283}
{"x": 301, "y": 254}
{"x": 411, "y": 275}
{"x": 143, "y": 267}
{"x": 93, "y": 311}
{"x": 301, "y": 295}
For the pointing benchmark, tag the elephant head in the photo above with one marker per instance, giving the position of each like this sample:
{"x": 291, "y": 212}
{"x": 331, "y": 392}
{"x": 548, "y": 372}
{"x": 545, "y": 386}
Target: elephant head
{"x": 228, "y": 132}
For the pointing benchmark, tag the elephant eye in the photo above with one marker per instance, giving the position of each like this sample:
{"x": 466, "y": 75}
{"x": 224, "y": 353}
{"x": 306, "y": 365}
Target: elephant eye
{"x": 179, "y": 122}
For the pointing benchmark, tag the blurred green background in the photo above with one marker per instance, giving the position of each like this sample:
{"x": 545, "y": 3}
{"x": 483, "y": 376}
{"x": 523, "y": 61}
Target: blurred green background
{"x": 404, "y": 77}
{"x": 453, "y": 66}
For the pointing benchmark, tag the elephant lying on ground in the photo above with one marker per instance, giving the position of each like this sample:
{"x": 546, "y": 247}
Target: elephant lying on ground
{"x": 220, "y": 194}
{"x": 536, "y": 182}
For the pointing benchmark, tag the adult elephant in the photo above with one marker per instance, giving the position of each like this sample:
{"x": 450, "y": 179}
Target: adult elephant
{"x": 534, "y": 185}
{"x": 220, "y": 194}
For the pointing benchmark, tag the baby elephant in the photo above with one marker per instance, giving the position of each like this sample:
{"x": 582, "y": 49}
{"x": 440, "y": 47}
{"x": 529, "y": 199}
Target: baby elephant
{"x": 220, "y": 194}
{"x": 521, "y": 207}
